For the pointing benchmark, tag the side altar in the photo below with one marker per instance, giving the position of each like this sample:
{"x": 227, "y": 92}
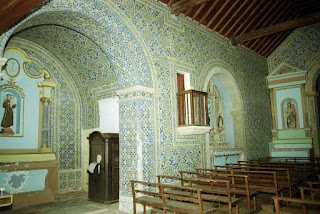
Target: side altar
{"x": 291, "y": 133}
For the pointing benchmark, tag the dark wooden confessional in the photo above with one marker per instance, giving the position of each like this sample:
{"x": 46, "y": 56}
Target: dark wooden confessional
{"x": 106, "y": 188}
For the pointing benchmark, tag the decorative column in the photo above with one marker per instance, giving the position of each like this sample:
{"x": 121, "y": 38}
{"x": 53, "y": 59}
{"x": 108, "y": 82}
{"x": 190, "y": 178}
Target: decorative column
{"x": 312, "y": 101}
{"x": 136, "y": 141}
{"x": 45, "y": 98}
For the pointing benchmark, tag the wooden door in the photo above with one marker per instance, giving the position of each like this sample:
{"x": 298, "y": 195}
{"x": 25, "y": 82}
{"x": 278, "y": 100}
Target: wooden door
{"x": 114, "y": 168}
{"x": 96, "y": 191}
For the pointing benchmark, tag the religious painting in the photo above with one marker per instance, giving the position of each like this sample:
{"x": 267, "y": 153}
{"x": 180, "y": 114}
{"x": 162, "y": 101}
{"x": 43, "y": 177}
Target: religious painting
{"x": 290, "y": 114}
{"x": 11, "y": 111}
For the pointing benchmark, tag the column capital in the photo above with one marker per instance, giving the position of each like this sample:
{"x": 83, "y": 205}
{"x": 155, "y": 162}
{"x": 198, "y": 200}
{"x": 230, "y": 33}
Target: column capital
{"x": 313, "y": 94}
{"x": 46, "y": 100}
{"x": 45, "y": 90}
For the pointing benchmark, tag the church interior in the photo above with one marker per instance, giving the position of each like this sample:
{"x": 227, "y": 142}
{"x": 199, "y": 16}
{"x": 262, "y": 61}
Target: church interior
{"x": 103, "y": 101}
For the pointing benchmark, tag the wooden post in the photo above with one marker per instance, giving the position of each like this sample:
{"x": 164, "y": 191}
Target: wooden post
{"x": 277, "y": 205}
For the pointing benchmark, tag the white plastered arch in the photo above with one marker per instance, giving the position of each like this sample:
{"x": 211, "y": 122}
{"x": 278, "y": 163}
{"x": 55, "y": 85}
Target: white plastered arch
{"x": 223, "y": 71}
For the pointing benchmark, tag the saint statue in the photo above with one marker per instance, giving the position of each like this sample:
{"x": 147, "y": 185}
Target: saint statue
{"x": 291, "y": 115}
{"x": 7, "y": 119}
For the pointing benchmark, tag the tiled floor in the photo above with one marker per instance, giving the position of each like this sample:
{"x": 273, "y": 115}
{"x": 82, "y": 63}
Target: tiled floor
{"x": 77, "y": 203}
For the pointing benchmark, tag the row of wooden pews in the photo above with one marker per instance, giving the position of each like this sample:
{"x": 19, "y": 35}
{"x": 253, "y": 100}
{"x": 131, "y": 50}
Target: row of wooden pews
{"x": 184, "y": 195}
{"x": 297, "y": 175}
{"x": 220, "y": 189}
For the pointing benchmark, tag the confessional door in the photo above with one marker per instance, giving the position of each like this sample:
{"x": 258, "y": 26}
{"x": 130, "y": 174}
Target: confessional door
{"x": 106, "y": 188}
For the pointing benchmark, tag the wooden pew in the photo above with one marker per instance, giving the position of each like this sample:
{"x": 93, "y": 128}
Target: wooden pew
{"x": 216, "y": 191}
{"x": 239, "y": 184}
{"x": 303, "y": 201}
{"x": 314, "y": 160}
{"x": 313, "y": 185}
{"x": 153, "y": 195}
{"x": 305, "y": 170}
{"x": 277, "y": 201}
{"x": 286, "y": 179}
{"x": 260, "y": 181}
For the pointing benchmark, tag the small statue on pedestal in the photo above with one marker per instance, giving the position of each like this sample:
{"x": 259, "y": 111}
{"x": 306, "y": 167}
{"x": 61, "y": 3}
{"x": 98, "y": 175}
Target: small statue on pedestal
{"x": 7, "y": 119}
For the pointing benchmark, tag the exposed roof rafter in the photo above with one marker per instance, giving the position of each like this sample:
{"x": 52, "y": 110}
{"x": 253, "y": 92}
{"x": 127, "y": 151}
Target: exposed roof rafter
{"x": 12, "y": 10}
{"x": 288, "y": 25}
{"x": 241, "y": 21}
{"x": 184, "y": 5}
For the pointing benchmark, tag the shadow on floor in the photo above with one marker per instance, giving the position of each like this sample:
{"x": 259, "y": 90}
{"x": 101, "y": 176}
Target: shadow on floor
{"x": 69, "y": 203}
{"x": 78, "y": 203}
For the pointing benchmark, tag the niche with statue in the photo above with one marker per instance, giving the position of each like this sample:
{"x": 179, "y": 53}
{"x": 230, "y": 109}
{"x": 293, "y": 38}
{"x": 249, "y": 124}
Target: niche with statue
{"x": 11, "y": 113}
{"x": 290, "y": 123}
{"x": 25, "y": 90}
{"x": 218, "y": 110}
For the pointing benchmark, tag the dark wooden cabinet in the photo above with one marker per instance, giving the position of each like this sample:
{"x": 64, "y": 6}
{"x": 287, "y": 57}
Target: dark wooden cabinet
{"x": 106, "y": 188}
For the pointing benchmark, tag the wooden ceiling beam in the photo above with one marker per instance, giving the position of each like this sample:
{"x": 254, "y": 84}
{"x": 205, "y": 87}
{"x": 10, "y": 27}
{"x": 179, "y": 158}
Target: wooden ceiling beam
{"x": 254, "y": 19}
{"x": 291, "y": 24}
{"x": 188, "y": 12}
{"x": 292, "y": 15}
{"x": 270, "y": 20}
{"x": 253, "y": 45}
{"x": 278, "y": 42}
{"x": 281, "y": 36}
{"x": 240, "y": 18}
{"x": 7, "y": 5}
{"x": 259, "y": 48}
{"x": 183, "y": 5}
{"x": 208, "y": 11}
{"x": 262, "y": 44}
{"x": 224, "y": 16}
{"x": 15, "y": 11}
{"x": 170, "y": 3}
{"x": 275, "y": 37}
{"x": 276, "y": 4}
{"x": 198, "y": 11}
{"x": 262, "y": 41}
{"x": 233, "y": 15}
{"x": 217, "y": 13}
{"x": 248, "y": 18}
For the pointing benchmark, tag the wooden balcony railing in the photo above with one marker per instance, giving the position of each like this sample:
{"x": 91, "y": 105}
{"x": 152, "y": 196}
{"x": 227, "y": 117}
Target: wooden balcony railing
{"x": 192, "y": 108}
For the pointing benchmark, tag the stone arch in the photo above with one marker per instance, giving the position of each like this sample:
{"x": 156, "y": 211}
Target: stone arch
{"x": 312, "y": 96}
{"x": 224, "y": 72}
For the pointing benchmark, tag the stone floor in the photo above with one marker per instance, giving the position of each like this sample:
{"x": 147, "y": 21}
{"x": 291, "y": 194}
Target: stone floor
{"x": 77, "y": 203}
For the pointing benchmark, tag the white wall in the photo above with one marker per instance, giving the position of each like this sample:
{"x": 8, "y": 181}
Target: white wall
{"x": 109, "y": 115}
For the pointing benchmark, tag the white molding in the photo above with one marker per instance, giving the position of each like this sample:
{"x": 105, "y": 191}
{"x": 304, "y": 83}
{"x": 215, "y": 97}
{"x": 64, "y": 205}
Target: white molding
{"x": 13, "y": 158}
{"x": 192, "y": 130}
{"x": 135, "y": 89}
{"x": 134, "y": 98}
{"x": 288, "y": 84}
{"x": 295, "y": 71}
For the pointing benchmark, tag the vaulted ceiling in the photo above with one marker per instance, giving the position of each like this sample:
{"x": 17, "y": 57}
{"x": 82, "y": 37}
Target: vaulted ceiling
{"x": 260, "y": 25}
